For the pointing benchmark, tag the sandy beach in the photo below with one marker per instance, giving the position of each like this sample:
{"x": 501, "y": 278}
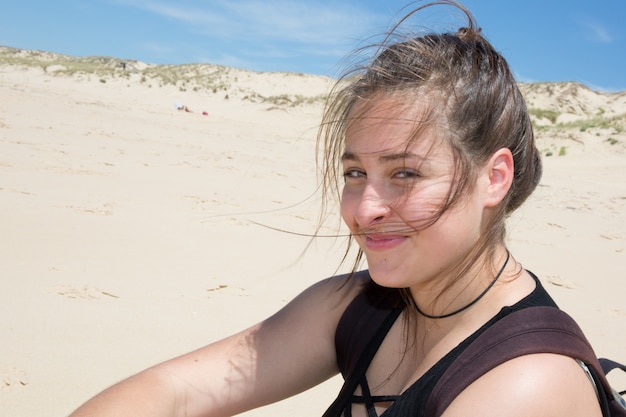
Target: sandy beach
{"x": 133, "y": 231}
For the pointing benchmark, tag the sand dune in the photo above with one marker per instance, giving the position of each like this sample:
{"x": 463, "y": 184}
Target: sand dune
{"x": 133, "y": 231}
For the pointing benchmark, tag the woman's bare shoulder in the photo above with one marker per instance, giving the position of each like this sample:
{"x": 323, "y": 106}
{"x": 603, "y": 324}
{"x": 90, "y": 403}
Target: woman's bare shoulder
{"x": 329, "y": 297}
{"x": 538, "y": 384}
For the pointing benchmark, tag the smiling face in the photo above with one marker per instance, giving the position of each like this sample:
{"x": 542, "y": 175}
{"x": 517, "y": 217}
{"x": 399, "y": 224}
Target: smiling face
{"x": 395, "y": 187}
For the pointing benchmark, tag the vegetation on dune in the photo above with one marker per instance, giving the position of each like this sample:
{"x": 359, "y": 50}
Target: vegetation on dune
{"x": 194, "y": 77}
{"x": 615, "y": 123}
{"x": 550, "y": 115}
{"x": 287, "y": 100}
{"x": 562, "y": 98}
{"x": 62, "y": 64}
{"x": 209, "y": 78}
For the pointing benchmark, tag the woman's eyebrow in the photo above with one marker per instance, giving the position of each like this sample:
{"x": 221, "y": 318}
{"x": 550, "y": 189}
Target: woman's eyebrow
{"x": 400, "y": 155}
{"x": 350, "y": 156}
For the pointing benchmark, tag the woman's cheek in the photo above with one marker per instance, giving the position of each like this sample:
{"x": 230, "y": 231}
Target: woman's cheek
{"x": 422, "y": 209}
{"x": 346, "y": 206}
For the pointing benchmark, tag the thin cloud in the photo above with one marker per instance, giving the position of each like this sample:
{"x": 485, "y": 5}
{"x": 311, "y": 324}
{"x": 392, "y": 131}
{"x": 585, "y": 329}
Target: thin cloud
{"x": 600, "y": 88}
{"x": 226, "y": 60}
{"x": 310, "y": 23}
{"x": 596, "y": 32}
{"x": 266, "y": 34}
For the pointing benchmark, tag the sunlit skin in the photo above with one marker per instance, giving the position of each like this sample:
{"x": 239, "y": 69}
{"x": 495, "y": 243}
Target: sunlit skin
{"x": 392, "y": 190}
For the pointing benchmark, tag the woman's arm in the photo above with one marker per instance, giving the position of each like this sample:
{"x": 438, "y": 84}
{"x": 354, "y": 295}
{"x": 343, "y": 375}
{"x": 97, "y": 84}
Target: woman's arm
{"x": 286, "y": 354}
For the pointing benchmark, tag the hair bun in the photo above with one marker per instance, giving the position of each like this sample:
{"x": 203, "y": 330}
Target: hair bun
{"x": 469, "y": 34}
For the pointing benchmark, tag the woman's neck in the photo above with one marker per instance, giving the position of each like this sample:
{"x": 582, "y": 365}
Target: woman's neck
{"x": 457, "y": 292}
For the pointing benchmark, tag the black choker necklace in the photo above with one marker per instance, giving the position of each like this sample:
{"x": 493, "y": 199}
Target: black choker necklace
{"x": 481, "y": 295}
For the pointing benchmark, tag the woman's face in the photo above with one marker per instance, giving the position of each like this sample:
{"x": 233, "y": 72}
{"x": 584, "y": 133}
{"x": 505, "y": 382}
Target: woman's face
{"x": 392, "y": 191}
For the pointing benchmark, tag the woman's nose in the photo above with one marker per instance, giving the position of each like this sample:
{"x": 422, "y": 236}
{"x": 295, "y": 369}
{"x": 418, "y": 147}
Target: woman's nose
{"x": 372, "y": 206}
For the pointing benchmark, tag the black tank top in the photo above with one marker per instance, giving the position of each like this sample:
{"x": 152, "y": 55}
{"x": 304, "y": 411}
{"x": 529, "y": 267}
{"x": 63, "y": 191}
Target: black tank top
{"x": 362, "y": 329}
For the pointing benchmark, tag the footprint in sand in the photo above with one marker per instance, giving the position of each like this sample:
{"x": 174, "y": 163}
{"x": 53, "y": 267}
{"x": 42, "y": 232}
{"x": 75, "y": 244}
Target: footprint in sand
{"x": 560, "y": 282}
{"x": 105, "y": 210}
{"x": 618, "y": 312}
{"x": 229, "y": 289}
{"x": 85, "y": 293}
{"x": 12, "y": 377}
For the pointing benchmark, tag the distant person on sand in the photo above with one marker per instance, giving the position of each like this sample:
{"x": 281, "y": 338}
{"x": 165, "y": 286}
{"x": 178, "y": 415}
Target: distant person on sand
{"x": 181, "y": 106}
{"x": 429, "y": 147}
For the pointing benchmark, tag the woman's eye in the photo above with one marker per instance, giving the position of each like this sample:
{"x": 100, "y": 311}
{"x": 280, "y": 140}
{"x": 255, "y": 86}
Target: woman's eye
{"x": 406, "y": 174}
{"x": 353, "y": 173}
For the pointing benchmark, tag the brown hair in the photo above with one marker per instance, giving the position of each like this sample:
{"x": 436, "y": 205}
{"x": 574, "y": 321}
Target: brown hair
{"x": 473, "y": 94}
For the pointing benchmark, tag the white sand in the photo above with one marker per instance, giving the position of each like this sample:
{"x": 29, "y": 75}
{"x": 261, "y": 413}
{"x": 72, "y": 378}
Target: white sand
{"x": 129, "y": 236}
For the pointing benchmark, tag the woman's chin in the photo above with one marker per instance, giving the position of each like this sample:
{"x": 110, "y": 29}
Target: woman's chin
{"x": 386, "y": 277}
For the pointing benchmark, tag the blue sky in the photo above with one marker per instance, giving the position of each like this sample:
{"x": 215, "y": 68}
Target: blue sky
{"x": 544, "y": 40}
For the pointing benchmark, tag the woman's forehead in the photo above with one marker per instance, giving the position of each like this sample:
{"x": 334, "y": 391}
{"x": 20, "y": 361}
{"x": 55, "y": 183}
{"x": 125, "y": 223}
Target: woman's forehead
{"x": 399, "y": 110}
{"x": 390, "y": 126}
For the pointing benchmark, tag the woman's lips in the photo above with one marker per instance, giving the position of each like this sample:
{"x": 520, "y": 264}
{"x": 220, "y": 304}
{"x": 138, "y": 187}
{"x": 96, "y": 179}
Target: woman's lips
{"x": 383, "y": 241}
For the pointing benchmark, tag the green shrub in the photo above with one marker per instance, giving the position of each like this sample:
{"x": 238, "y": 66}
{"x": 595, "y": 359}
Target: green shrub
{"x": 550, "y": 115}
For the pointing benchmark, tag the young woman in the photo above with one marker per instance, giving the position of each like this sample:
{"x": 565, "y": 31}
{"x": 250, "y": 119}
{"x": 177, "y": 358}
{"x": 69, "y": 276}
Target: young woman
{"x": 436, "y": 148}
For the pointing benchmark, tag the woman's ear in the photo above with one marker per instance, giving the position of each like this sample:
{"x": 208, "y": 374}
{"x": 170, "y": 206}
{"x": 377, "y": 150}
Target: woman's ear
{"x": 500, "y": 171}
